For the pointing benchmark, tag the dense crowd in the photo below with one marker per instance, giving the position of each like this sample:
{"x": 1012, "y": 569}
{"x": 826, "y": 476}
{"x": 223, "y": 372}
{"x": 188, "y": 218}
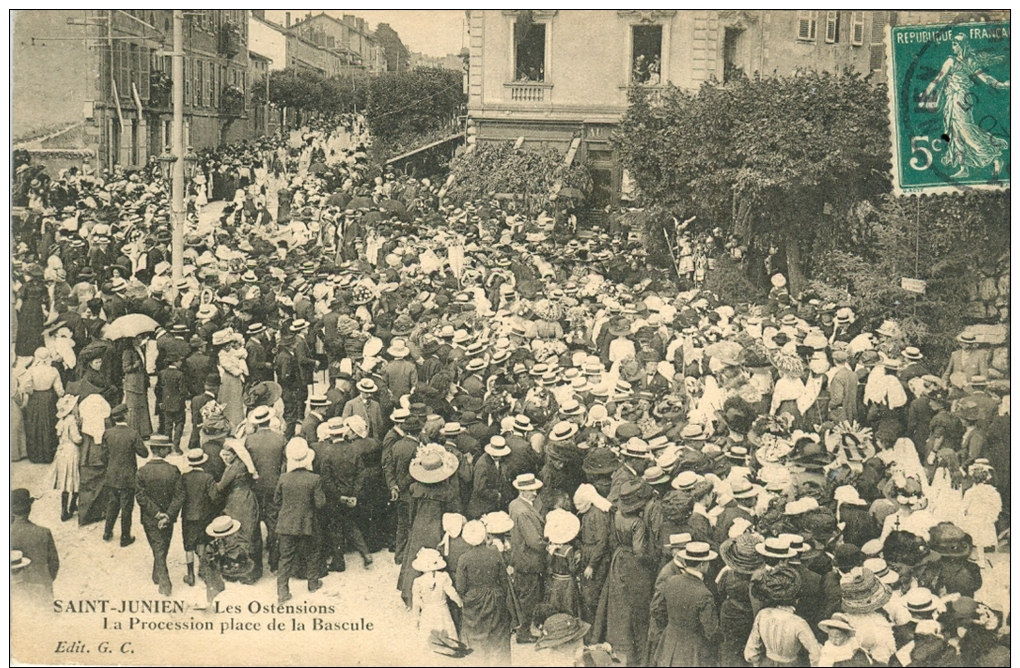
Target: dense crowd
{"x": 555, "y": 442}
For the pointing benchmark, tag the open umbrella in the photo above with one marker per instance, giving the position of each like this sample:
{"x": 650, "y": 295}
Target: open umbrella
{"x": 130, "y": 325}
{"x": 393, "y": 206}
{"x": 573, "y": 193}
{"x": 317, "y": 168}
{"x": 361, "y": 203}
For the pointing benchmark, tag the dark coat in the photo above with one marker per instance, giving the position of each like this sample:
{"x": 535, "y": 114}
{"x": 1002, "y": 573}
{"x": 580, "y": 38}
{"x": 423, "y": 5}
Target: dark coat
{"x": 492, "y": 489}
{"x": 173, "y": 389}
{"x": 199, "y": 495}
{"x": 159, "y": 490}
{"x": 396, "y": 462}
{"x": 692, "y": 622}
{"x": 343, "y": 472}
{"x": 298, "y": 494}
{"x": 266, "y": 448}
{"x": 36, "y": 543}
{"x": 122, "y": 446}
{"x": 527, "y": 538}
{"x": 196, "y": 368}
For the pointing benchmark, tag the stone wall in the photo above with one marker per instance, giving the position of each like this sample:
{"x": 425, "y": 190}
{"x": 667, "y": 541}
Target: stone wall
{"x": 988, "y": 296}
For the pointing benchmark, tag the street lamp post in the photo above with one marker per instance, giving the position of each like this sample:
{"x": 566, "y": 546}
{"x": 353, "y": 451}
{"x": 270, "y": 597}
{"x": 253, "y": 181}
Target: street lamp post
{"x": 177, "y": 210}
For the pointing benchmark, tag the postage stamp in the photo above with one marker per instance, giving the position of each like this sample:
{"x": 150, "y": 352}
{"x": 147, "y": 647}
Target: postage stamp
{"x": 949, "y": 100}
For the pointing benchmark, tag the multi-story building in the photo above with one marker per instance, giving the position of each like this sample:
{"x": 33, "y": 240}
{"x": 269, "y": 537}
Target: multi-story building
{"x": 95, "y": 84}
{"x": 553, "y": 76}
{"x": 450, "y": 61}
{"x": 394, "y": 51}
{"x": 349, "y": 37}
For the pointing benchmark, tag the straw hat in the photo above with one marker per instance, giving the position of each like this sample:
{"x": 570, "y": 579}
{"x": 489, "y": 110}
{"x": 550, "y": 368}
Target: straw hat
{"x": 563, "y": 431}
{"x": 428, "y": 559}
{"x": 775, "y": 548}
{"x": 19, "y": 560}
{"x": 862, "y": 591}
{"x": 654, "y": 475}
{"x": 497, "y": 522}
{"x": 527, "y": 482}
{"x": 561, "y": 526}
{"x": 368, "y": 386}
{"x": 740, "y": 553}
{"x": 473, "y": 533}
{"x": 920, "y": 603}
{"x": 433, "y": 464}
{"x": 523, "y": 423}
{"x": 497, "y": 447}
{"x": 881, "y": 569}
{"x": 66, "y": 404}
{"x": 222, "y": 526}
{"x": 678, "y": 541}
{"x": 560, "y": 629}
{"x": 837, "y": 621}
{"x": 196, "y": 457}
{"x": 697, "y": 551}
{"x": 398, "y": 350}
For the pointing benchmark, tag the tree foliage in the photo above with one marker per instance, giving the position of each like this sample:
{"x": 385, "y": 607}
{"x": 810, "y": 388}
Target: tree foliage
{"x": 493, "y": 168}
{"x": 781, "y": 161}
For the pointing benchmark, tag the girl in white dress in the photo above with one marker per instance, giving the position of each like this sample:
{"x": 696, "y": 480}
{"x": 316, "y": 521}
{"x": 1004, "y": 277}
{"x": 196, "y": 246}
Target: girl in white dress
{"x": 981, "y": 507}
{"x": 429, "y": 593}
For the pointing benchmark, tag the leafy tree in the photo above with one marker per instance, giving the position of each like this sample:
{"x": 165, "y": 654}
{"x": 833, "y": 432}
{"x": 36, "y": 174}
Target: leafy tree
{"x": 413, "y": 103}
{"x": 494, "y": 168}
{"x": 781, "y": 161}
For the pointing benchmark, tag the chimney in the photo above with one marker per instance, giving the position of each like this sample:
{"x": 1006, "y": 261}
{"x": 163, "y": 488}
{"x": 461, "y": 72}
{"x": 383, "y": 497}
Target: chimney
{"x": 286, "y": 21}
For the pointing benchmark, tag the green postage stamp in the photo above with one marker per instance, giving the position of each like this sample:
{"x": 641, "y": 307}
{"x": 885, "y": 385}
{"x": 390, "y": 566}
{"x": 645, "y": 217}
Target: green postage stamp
{"x": 949, "y": 104}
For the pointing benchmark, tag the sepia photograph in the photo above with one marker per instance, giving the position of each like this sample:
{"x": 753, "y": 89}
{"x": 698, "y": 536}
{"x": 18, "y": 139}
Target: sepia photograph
{"x": 660, "y": 337}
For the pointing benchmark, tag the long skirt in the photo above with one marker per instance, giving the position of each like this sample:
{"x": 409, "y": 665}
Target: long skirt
{"x": 138, "y": 412}
{"x": 41, "y": 426}
{"x": 623, "y": 615}
{"x": 485, "y": 625}
{"x": 93, "y": 495}
{"x": 426, "y": 531}
{"x": 18, "y": 450}
{"x": 231, "y": 395}
{"x": 63, "y": 475}
{"x": 561, "y": 593}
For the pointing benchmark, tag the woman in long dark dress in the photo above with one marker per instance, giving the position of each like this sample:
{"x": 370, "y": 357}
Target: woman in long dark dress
{"x": 481, "y": 580}
{"x": 237, "y": 490}
{"x": 93, "y": 494}
{"x": 42, "y": 383}
{"x": 623, "y": 614}
{"x": 31, "y": 307}
{"x": 433, "y": 493}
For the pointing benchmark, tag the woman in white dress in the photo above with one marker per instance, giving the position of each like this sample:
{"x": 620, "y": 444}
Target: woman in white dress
{"x": 981, "y": 507}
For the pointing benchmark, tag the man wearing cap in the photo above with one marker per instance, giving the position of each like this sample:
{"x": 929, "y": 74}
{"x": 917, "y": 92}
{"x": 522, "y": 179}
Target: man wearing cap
{"x": 527, "y": 550}
{"x": 35, "y": 544}
{"x": 300, "y": 497}
{"x": 344, "y": 475}
{"x": 688, "y": 612}
{"x": 122, "y": 446}
{"x": 199, "y": 508}
{"x": 160, "y": 495}
{"x": 266, "y": 448}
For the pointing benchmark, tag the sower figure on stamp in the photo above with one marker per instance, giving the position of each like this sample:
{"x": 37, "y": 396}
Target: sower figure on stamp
{"x": 160, "y": 494}
{"x": 299, "y": 496}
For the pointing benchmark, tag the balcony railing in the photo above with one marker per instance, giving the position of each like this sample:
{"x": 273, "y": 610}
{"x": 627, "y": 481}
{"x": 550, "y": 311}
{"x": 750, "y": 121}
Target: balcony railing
{"x": 530, "y": 92}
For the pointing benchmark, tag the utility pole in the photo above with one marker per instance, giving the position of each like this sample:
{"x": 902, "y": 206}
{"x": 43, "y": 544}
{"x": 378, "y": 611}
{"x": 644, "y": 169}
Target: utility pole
{"x": 177, "y": 210}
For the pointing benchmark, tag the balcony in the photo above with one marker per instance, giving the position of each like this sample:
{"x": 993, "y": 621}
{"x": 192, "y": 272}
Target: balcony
{"x": 529, "y": 92}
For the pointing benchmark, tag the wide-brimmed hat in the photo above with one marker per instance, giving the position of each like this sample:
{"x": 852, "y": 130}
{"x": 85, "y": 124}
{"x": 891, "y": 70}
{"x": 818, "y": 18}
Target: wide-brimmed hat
{"x": 473, "y": 532}
{"x": 561, "y": 526}
{"x": 451, "y": 429}
{"x": 159, "y": 441}
{"x": 476, "y": 364}
{"x": 678, "y": 541}
{"x": 433, "y": 464}
{"x": 497, "y": 447}
{"x": 572, "y": 408}
{"x": 697, "y": 551}
{"x": 398, "y": 349}
{"x": 223, "y": 526}
{"x": 66, "y": 404}
{"x": 600, "y": 461}
{"x": 560, "y": 629}
{"x": 299, "y": 454}
{"x": 693, "y": 432}
{"x": 880, "y": 568}
{"x": 837, "y": 621}
{"x": 775, "y": 548}
{"x": 920, "y": 603}
{"x": 620, "y": 327}
{"x": 967, "y": 337}
{"x": 862, "y": 591}
{"x": 497, "y": 522}
{"x": 19, "y": 560}
{"x": 196, "y": 457}
{"x": 777, "y": 586}
{"x": 21, "y": 501}
{"x": 636, "y": 448}
{"x": 686, "y": 481}
{"x": 913, "y": 354}
{"x": 527, "y": 482}
{"x": 740, "y": 554}
{"x": 563, "y": 431}
{"x": 742, "y": 488}
{"x": 633, "y": 495}
{"x": 848, "y": 494}
{"x": 428, "y": 559}
{"x": 949, "y": 540}
{"x": 523, "y": 423}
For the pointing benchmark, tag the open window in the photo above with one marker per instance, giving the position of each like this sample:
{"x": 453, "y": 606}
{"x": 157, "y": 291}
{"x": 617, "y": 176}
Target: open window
{"x": 529, "y": 50}
{"x": 831, "y": 27}
{"x": 646, "y": 56}
{"x": 733, "y": 39}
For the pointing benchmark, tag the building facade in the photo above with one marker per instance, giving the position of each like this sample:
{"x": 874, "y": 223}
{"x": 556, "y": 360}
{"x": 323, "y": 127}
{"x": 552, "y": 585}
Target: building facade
{"x": 95, "y": 84}
{"x": 552, "y": 76}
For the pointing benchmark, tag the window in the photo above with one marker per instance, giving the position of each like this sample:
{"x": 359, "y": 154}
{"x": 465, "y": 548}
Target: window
{"x": 144, "y": 62}
{"x": 807, "y": 26}
{"x": 187, "y": 81}
{"x": 200, "y": 84}
{"x": 878, "y": 21}
{"x": 857, "y": 29}
{"x": 646, "y": 56}
{"x": 831, "y": 27}
{"x": 529, "y": 49}
{"x": 732, "y": 40}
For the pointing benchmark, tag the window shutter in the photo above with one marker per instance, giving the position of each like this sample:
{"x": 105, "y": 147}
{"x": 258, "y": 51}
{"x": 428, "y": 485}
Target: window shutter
{"x": 878, "y": 21}
{"x": 857, "y": 29}
{"x": 877, "y": 57}
{"x": 144, "y": 73}
{"x": 831, "y": 27}
{"x": 807, "y": 26}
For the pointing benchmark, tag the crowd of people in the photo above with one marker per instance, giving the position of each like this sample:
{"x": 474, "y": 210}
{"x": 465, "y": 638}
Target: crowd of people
{"x": 558, "y": 446}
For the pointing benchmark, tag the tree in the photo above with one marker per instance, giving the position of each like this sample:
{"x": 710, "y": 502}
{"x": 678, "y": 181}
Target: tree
{"x": 781, "y": 161}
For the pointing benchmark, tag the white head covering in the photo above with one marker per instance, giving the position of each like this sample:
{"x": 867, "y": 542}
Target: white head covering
{"x": 94, "y": 410}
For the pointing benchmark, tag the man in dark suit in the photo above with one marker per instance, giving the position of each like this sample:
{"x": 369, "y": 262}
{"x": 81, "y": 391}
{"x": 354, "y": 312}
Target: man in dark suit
{"x": 260, "y": 366}
{"x": 396, "y": 462}
{"x": 212, "y": 385}
{"x": 36, "y": 544}
{"x": 527, "y": 550}
{"x": 266, "y": 448}
{"x": 740, "y": 505}
{"x": 343, "y": 479}
{"x": 687, "y": 611}
{"x": 300, "y": 496}
{"x": 160, "y": 494}
{"x": 318, "y": 406}
{"x": 122, "y": 446}
{"x": 198, "y": 510}
{"x": 288, "y": 375}
{"x": 197, "y": 367}
{"x": 493, "y": 489}
{"x": 173, "y": 394}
